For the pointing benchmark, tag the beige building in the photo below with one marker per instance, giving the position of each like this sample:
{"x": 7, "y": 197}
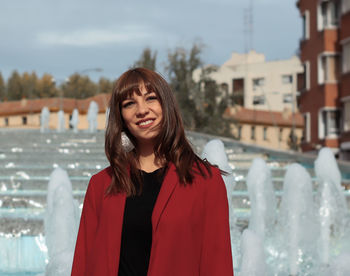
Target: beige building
{"x": 254, "y": 83}
{"x": 265, "y": 128}
{"x": 26, "y": 113}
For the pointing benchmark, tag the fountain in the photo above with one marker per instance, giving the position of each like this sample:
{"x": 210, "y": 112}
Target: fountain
{"x": 92, "y": 116}
{"x": 44, "y": 119}
{"x": 291, "y": 248}
{"x": 262, "y": 198}
{"x": 214, "y": 152}
{"x": 61, "y": 125}
{"x": 296, "y": 229}
{"x": 74, "y": 121}
{"x": 253, "y": 256}
{"x": 331, "y": 204}
{"x": 61, "y": 224}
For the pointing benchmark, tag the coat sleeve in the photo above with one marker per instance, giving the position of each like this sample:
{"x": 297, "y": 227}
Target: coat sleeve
{"x": 216, "y": 256}
{"x": 87, "y": 229}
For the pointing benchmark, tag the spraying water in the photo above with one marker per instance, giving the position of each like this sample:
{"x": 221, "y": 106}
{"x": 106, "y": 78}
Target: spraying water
{"x": 253, "y": 256}
{"x": 330, "y": 201}
{"x": 61, "y": 224}
{"x": 74, "y": 121}
{"x": 296, "y": 221}
{"x": 92, "y": 116}
{"x": 214, "y": 152}
{"x": 262, "y": 198}
{"x": 44, "y": 119}
{"x": 61, "y": 126}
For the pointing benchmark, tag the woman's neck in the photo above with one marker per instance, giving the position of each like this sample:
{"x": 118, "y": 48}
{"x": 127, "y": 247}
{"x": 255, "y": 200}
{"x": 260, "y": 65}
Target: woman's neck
{"x": 147, "y": 160}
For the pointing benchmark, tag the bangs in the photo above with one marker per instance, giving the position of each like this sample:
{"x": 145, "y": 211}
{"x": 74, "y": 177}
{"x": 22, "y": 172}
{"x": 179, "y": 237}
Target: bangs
{"x": 131, "y": 84}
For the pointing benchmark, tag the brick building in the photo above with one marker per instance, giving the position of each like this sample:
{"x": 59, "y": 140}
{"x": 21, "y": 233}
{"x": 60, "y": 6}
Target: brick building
{"x": 26, "y": 113}
{"x": 324, "y": 86}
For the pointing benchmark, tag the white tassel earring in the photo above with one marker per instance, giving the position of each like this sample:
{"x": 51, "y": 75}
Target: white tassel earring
{"x": 126, "y": 143}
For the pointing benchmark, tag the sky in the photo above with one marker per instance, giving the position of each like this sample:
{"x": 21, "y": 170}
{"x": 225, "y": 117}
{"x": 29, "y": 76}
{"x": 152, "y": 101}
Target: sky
{"x": 63, "y": 37}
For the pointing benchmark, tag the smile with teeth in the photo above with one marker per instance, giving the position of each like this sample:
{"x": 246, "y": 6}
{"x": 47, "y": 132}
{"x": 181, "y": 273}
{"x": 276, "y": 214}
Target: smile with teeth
{"x": 144, "y": 123}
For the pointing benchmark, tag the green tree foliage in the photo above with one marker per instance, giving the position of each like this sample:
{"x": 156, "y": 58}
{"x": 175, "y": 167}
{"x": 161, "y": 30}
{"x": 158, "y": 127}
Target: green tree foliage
{"x": 201, "y": 103}
{"x": 2, "y": 88}
{"x": 79, "y": 87}
{"x": 45, "y": 87}
{"x": 180, "y": 67}
{"x": 105, "y": 85}
{"x": 147, "y": 59}
{"x": 212, "y": 106}
{"x": 15, "y": 90}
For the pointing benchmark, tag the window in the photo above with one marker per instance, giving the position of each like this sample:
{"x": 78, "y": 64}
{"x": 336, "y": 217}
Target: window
{"x": 265, "y": 133}
{"x": 307, "y": 128}
{"x": 258, "y": 82}
{"x": 329, "y": 121}
{"x": 239, "y": 135}
{"x": 224, "y": 89}
{"x": 303, "y": 81}
{"x": 327, "y": 15}
{"x": 24, "y": 120}
{"x": 252, "y": 133}
{"x": 306, "y": 25}
{"x": 346, "y": 122}
{"x": 287, "y": 79}
{"x": 259, "y": 100}
{"x": 288, "y": 98}
{"x": 280, "y": 134}
{"x": 6, "y": 121}
{"x": 346, "y": 57}
{"x": 345, "y": 7}
{"x": 328, "y": 68}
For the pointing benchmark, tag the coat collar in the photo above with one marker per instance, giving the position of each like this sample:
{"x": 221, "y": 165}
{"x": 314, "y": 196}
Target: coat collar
{"x": 169, "y": 183}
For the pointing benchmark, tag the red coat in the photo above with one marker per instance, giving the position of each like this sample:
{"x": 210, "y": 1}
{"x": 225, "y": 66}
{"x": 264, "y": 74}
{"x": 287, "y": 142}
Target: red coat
{"x": 190, "y": 235}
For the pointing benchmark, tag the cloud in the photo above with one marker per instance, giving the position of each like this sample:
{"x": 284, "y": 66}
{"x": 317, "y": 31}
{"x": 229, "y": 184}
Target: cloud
{"x": 94, "y": 37}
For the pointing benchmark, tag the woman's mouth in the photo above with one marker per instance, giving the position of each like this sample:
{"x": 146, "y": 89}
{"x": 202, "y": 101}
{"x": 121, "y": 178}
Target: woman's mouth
{"x": 145, "y": 123}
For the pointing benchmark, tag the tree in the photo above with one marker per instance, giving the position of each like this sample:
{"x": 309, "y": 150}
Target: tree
{"x": 45, "y": 87}
{"x": 14, "y": 87}
{"x": 2, "y": 88}
{"x": 212, "y": 106}
{"x": 105, "y": 85}
{"x": 29, "y": 84}
{"x": 79, "y": 87}
{"x": 147, "y": 59}
{"x": 180, "y": 67}
{"x": 293, "y": 141}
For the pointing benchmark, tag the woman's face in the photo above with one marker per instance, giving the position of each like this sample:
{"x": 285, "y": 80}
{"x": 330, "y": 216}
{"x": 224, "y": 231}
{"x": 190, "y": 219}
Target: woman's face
{"x": 142, "y": 115}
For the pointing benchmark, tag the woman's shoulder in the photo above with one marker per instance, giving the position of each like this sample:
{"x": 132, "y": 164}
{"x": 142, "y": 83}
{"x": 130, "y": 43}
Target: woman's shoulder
{"x": 206, "y": 171}
{"x": 101, "y": 179}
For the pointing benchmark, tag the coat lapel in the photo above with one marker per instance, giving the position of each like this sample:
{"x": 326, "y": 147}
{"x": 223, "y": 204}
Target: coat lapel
{"x": 115, "y": 205}
{"x": 169, "y": 183}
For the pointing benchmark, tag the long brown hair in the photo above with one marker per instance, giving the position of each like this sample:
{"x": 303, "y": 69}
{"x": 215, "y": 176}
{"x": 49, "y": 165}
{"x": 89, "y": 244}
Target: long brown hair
{"x": 171, "y": 143}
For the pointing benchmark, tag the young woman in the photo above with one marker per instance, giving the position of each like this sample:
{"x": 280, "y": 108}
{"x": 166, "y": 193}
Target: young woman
{"x": 158, "y": 210}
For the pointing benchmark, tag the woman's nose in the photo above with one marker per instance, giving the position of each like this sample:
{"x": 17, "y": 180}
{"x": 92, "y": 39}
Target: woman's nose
{"x": 142, "y": 108}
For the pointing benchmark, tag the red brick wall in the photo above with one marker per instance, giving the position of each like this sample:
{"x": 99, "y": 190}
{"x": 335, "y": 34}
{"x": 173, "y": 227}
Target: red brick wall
{"x": 317, "y": 96}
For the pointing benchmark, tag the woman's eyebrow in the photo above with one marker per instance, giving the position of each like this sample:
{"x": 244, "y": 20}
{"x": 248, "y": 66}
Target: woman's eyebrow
{"x": 148, "y": 92}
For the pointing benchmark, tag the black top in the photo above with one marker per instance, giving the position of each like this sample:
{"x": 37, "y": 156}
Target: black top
{"x": 137, "y": 226}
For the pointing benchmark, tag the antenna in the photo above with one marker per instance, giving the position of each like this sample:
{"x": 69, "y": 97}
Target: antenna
{"x": 249, "y": 27}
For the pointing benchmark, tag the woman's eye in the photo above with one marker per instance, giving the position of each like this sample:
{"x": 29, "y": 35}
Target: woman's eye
{"x": 151, "y": 98}
{"x": 127, "y": 104}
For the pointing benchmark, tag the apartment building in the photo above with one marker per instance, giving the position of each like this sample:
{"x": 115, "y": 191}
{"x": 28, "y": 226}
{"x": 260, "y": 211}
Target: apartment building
{"x": 324, "y": 86}
{"x": 248, "y": 80}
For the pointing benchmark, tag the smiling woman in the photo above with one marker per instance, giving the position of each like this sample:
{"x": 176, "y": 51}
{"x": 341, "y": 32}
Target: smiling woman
{"x": 158, "y": 209}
